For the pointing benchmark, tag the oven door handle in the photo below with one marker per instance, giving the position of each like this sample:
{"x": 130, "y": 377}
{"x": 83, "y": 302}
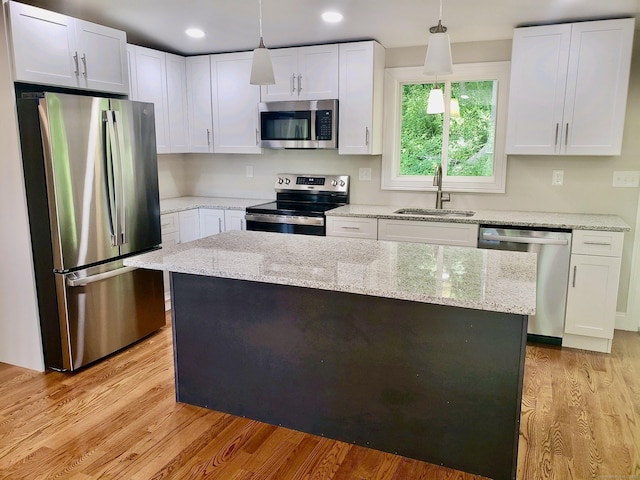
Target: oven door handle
{"x": 287, "y": 219}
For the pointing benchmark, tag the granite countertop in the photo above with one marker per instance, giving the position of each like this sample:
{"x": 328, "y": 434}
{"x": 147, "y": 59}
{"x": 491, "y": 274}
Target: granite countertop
{"x": 492, "y": 280}
{"x": 570, "y": 221}
{"x": 177, "y": 204}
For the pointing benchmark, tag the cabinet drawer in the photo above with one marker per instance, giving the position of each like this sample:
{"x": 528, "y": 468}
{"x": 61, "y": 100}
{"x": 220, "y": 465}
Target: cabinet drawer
{"x": 442, "y": 233}
{"x": 170, "y": 239}
{"x": 169, "y": 223}
{"x": 355, "y": 227}
{"x": 607, "y": 244}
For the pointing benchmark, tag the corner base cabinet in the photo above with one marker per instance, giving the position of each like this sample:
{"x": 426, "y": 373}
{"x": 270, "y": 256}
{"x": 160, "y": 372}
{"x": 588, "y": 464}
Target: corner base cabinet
{"x": 593, "y": 290}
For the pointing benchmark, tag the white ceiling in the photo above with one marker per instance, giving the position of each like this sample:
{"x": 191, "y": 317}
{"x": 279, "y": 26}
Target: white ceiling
{"x": 232, "y": 25}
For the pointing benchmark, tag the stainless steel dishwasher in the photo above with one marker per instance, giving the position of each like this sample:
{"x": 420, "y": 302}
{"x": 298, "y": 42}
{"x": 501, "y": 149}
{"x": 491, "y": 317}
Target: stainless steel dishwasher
{"x": 553, "y": 248}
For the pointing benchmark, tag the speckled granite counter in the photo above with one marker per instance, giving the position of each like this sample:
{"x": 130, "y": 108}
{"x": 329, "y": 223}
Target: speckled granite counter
{"x": 572, "y": 221}
{"x": 465, "y": 277}
{"x": 177, "y": 204}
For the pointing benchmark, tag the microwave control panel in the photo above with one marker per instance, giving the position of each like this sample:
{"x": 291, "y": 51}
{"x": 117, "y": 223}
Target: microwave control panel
{"x": 324, "y": 124}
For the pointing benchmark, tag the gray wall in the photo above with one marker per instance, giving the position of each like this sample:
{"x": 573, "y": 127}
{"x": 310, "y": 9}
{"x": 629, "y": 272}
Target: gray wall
{"x": 587, "y": 180}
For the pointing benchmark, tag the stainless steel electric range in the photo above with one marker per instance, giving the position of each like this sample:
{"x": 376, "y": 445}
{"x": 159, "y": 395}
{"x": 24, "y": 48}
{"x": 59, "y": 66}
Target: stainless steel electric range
{"x": 301, "y": 201}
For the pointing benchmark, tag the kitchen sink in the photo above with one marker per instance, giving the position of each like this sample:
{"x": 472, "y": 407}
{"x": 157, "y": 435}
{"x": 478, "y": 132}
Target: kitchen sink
{"x": 435, "y": 212}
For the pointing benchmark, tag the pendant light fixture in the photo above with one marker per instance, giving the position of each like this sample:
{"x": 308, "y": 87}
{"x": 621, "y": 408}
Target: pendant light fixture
{"x": 438, "y": 59}
{"x": 261, "y": 68}
{"x": 437, "y": 62}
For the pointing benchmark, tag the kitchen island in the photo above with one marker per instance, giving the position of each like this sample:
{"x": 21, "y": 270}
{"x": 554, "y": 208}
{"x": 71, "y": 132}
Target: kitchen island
{"x": 408, "y": 348}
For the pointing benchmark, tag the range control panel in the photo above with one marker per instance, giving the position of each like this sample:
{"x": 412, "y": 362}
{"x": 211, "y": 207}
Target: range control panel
{"x": 314, "y": 183}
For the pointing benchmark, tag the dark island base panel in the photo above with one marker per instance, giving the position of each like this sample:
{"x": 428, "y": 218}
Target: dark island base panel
{"x": 434, "y": 383}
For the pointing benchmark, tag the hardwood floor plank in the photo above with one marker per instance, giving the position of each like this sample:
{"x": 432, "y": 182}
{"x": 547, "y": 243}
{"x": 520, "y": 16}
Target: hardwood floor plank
{"x": 119, "y": 419}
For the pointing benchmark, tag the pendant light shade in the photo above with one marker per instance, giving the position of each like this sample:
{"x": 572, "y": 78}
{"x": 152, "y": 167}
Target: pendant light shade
{"x": 438, "y": 58}
{"x": 435, "y": 103}
{"x": 261, "y": 67}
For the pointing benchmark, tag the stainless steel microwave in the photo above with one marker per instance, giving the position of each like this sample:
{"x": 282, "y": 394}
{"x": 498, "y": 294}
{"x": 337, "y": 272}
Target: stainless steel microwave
{"x": 299, "y": 124}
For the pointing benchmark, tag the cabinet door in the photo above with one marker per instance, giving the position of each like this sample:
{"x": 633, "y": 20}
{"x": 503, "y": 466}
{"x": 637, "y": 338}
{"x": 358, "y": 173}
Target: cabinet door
{"x": 102, "y": 59}
{"x": 133, "y": 77}
{"x": 285, "y": 71}
{"x": 360, "y": 98}
{"x": 199, "y": 101}
{"x": 537, "y": 89}
{"x": 234, "y": 220}
{"x": 44, "y": 46}
{"x": 597, "y": 85}
{"x": 151, "y": 76}
{"x": 592, "y": 296}
{"x": 177, "y": 104}
{"x": 189, "y": 221}
{"x": 211, "y": 222}
{"x": 317, "y": 72}
{"x": 235, "y": 104}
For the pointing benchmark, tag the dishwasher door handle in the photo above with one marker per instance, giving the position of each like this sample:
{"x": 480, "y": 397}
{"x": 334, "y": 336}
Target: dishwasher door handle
{"x": 528, "y": 240}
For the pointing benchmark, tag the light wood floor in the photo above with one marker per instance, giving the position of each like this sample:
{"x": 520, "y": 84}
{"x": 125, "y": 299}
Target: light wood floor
{"x": 118, "y": 419}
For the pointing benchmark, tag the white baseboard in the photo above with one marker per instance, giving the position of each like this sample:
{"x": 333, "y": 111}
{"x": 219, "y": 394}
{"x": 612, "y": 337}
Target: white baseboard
{"x": 624, "y": 322}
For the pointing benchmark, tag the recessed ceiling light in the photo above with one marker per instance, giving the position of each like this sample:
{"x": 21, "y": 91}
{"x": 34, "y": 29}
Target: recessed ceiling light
{"x": 332, "y": 17}
{"x": 194, "y": 32}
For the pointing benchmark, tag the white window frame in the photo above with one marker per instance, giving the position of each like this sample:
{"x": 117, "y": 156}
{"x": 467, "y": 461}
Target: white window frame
{"x": 395, "y": 78}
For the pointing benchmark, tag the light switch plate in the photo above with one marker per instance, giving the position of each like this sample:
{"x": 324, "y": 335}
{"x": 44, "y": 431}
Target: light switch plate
{"x": 629, "y": 179}
{"x": 364, "y": 174}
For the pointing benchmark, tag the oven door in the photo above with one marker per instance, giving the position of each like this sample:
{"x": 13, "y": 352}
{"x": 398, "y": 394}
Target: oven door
{"x": 300, "y": 224}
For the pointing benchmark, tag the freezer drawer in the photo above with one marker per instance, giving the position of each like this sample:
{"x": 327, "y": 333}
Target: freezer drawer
{"x": 105, "y": 308}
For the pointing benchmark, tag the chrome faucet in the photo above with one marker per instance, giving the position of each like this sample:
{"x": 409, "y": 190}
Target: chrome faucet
{"x": 437, "y": 181}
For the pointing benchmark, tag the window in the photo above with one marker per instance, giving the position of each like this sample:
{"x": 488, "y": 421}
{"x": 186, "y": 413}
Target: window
{"x": 468, "y": 138}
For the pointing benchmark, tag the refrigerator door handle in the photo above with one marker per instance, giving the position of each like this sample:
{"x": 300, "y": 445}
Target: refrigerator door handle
{"x": 110, "y": 179}
{"x": 81, "y": 282}
{"x": 120, "y": 189}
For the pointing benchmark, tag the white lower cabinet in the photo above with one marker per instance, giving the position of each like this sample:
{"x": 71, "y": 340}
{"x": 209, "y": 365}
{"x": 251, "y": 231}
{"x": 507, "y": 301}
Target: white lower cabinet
{"x": 189, "y": 225}
{"x": 593, "y": 290}
{"x": 170, "y": 237}
{"x": 355, "y": 227}
{"x": 211, "y": 222}
{"x": 234, "y": 220}
{"x": 442, "y": 233}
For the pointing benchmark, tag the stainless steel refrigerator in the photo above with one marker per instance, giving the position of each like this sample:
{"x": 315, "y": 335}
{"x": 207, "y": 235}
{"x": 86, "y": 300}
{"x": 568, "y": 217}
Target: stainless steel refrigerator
{"x": 91, "y": 179}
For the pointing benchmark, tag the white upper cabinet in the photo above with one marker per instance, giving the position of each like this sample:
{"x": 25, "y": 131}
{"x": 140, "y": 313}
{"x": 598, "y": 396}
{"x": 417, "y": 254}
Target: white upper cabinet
{"x": 151, "y": 86}
{"x": 361, "y": 98}
{"x": 568, "y": 90}
{"x": 177, "y": 103}
{"x": 54, "y": 49}
{"x": 303, "y": 73}
{"x": 235, "y": 104}
{"x": 199, "y": 104}
{"x": 160, "y": 78}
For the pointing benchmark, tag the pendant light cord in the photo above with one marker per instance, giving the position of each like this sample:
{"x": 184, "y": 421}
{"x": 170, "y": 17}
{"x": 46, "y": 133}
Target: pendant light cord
{"x": 440, "y": 17}
{"x": 260, "y": 7}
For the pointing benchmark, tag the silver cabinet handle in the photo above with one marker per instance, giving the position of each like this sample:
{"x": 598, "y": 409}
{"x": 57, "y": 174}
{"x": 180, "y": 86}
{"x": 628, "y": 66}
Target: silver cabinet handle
{"x": 208, "y": 137}
{"x": 84, "y": 64}
{"x": 293, "y": 83}
{"x": 350, "y": 228}
{"x": 257, "y": 137}
{"x": 557, "y": 129}
{"x": 81, "y": 282}
{"x": 604, "y": 244}
{"x": 566, "y": 134}
{"x": 219, "y": 224}
{"x": 75, "y": 60}
{"x": 299, "y": 84}
{"x": 243, "y": 224}
{"x": 575, "y": 270}
{"x": 366, "y": 136}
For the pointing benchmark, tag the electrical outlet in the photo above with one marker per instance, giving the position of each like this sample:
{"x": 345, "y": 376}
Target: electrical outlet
{"x": 557, "y": 178}
{"x": 364, "y": 174}
{"x": 249, "y": 170}
{"x": 628, "y": 179}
